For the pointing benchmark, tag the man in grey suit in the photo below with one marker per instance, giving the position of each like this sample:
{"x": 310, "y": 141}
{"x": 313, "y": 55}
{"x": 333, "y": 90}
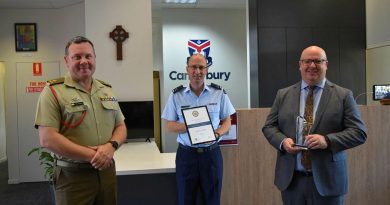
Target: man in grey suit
{"x": 336, "y": 126}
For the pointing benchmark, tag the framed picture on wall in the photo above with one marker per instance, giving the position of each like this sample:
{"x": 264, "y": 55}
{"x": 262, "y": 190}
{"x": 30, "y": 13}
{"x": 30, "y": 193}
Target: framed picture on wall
{"x": 26, "y": 37}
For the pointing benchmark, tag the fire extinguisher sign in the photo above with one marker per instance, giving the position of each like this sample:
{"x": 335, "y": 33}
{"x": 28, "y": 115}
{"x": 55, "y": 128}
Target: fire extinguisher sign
{"x": 37, "y": 69}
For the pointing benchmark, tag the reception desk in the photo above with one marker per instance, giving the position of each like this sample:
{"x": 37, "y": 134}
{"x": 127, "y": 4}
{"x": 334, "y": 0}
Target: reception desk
{"x": 143, "y": 158}
{"x": 146, "y": 176}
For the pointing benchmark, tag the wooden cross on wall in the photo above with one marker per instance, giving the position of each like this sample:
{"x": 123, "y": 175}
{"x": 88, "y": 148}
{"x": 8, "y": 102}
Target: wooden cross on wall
{"x": 119, "y": 35}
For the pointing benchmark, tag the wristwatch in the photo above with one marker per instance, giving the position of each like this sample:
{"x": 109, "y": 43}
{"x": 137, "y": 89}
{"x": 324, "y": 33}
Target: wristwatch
{"x": 114, "y": 144}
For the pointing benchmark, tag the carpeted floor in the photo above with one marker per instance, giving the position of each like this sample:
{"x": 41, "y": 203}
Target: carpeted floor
{"x": 33, "y": 193}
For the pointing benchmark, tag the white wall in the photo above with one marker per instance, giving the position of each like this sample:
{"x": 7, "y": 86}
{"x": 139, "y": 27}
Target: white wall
{"x": 377, "y": 19}
{"x": 71, "y": 23}
{"x": 378, "y": 44}
{"x": 157, "y": 40}
{"x": 378, "y": 69}
{"x": 54, "y": 27}
{"x": 226, "y": 29}
{"x": 132, "y": 78}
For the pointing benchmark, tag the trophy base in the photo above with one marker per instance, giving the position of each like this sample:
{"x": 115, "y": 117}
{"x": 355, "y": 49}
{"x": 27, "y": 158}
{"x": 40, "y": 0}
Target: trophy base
{"x": 385, "y": 102}
{"x": 304, "y": 147}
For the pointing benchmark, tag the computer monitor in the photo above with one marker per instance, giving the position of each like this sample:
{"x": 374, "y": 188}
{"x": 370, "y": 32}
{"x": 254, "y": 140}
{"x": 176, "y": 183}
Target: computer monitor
{"x": 138, "y": 119}
{"x": 381, "y": 91}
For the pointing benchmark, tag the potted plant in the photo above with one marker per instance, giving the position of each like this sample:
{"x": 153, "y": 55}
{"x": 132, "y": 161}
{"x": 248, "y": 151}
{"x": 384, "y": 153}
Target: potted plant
{"x": 46, "y": 160}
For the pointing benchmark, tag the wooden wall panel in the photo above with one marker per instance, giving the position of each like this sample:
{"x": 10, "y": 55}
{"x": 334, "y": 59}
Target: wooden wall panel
{"x": 249, "y": 167}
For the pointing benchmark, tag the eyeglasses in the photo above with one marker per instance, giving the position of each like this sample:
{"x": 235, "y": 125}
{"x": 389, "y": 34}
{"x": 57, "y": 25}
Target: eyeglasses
{"x": 315, "y": 61}
{"x": 194, "y": 67}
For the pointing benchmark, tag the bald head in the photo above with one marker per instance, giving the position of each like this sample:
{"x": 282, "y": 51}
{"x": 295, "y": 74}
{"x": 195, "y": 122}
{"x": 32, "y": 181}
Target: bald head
{"x": 314, "y": 49}
{"x": 313, "y": 65}
{"x": 196, "y": 55}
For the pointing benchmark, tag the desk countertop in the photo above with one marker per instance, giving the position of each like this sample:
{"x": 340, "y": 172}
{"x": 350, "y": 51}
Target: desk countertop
{"x": 143, "y": 158}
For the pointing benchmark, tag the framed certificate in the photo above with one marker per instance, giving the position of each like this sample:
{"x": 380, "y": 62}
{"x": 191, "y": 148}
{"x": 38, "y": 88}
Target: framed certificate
{"x": 199, "y": 126}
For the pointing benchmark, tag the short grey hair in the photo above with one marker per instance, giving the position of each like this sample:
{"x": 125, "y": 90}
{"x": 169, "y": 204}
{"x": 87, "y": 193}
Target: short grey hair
{"x": 78, "y": 40}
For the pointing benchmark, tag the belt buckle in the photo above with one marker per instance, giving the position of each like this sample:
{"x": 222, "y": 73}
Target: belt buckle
{"x": 306, "y": 173}
{"x": 200, "y": 150}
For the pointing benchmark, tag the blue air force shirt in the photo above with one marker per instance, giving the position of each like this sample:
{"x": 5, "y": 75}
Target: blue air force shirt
{"x": 216, "y": 100}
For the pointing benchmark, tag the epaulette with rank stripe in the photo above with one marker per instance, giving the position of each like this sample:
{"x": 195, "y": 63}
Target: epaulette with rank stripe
{"x": 56, "y": 81}
{"x": 218, "y": 87}
{"x": 178, "y": 88}
{"x": 104, "y": 83}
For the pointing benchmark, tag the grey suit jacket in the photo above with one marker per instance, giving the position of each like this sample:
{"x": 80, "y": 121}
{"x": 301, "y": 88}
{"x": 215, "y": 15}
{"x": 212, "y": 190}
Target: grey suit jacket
{"x": 337, "y": 117}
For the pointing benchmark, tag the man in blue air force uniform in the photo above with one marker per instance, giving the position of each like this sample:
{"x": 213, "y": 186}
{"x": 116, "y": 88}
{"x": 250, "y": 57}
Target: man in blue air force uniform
{"x": 200, "y": 165}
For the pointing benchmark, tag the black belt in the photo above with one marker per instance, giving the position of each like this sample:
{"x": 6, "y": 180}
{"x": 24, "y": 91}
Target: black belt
{"x": 199, "y": 149}
{"x": 303, "y": 173}
{"x": 62, "y": 163}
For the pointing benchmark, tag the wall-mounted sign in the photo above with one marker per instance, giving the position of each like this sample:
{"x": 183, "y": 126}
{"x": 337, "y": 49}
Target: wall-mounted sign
{"x": 230, "y": 138}
{"x": 35, "y": 86}
{"x": 174, "y": 75}
{"x": 37, "y": 69}
{"x": 202, "y": 47}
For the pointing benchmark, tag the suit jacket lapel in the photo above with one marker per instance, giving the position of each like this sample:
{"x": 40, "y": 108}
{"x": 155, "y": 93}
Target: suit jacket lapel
{"x": 296, "y": 99}
{"x": 326, "y": 93}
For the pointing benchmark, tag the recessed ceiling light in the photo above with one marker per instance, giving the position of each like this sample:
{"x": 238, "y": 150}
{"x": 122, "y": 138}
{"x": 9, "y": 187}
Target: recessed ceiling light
{"x": 181, "y": 1}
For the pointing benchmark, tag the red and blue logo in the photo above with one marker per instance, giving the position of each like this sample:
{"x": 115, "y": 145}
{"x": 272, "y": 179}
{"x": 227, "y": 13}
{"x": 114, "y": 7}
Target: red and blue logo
{"x": 202, "y": 47}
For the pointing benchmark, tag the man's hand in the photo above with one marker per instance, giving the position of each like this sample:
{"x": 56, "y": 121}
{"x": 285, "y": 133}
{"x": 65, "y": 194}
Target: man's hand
{"x": 288, "y": 145}
{"x": 103, "y": 156}
{"x": 316, "y": 141}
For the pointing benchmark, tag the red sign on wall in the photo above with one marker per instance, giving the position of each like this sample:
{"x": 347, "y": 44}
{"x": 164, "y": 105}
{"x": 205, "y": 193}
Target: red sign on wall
{"x": 35, "y": 87}
{"x": 230, "y": 138}
{"x": 37, "y": 69}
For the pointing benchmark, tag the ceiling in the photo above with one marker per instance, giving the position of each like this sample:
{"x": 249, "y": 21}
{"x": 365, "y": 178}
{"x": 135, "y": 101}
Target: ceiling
{"x": 36, "y": 4}
{"x": 55, "y": 4}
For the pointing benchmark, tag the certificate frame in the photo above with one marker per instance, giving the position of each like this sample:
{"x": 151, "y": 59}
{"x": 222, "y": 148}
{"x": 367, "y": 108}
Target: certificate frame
{"x": 198, "y": 123}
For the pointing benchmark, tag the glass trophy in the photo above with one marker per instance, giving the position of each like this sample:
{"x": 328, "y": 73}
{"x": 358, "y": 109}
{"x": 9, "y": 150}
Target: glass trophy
{"x": 302, "y": 128}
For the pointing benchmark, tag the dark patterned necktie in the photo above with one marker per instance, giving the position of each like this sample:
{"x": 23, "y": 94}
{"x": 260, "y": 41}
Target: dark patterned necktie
{"x": 305, "y": 159}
